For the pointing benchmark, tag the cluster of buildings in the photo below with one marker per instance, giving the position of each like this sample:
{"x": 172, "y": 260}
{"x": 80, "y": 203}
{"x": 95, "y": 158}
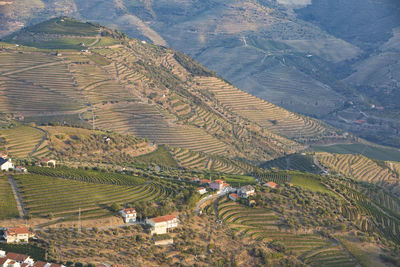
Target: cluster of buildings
{"x": 6, "y": 164}
{"x": 11, "y": 259}
{"x": 158, "y": 225}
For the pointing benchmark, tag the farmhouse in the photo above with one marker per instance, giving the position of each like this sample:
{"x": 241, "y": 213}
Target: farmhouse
{"x": 246, "y": 191}
{"x": 233, "y": 196}
{"x": 217, "y": 185}
{"x": 5, "y": 163}
{"x": 17, "y": 235}
{"x": 161, "y": 225}
{"x": 202, "y": 190}
{"x": 129, "y": 215}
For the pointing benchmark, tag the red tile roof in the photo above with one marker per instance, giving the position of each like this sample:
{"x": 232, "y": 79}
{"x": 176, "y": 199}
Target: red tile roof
{"x": 272, "y": 184}
{"x": 201, "y": 188}
{"x": 17, "y": 231}
{"x": 234, "y": 195}
{"x": 205, "y": 181}
{"x": 16, "y": 256}
{"x": 225, "y": 184}
{"x": 129, "y": 211}
{"x": 3, "y": 260}
{"x": 165, "y": 218}
{"x": 40, "y": 264}
{"x": 219, "y": 181}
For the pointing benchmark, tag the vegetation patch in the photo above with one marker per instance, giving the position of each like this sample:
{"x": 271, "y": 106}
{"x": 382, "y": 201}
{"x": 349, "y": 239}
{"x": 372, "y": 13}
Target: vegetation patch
{"x": 161, "y": 156}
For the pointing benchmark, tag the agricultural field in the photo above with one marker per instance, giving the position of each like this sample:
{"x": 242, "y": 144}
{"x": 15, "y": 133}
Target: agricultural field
{"x": 265, "y": 225}
{"x": 296, "y": 162}
{"x": 360, "y": 168}
{"x": 266, "y": 114}
{"x": 373, "y": 152}
{"x": 38, "y": 193}
{"x": 22, "y": 140}
{"x": 8, "y": 206}
{"x": 201, "y": 161}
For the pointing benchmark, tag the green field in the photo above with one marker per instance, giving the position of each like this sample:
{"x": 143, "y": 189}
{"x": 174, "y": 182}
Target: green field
{"x": 374, "y": 152}
{"x": 239, "y": 179}
{"x": 66, "y": 26}
{"x": 161, "y": 157}
{"x": 308, "y": 181}
{"x": 8, "y": 206}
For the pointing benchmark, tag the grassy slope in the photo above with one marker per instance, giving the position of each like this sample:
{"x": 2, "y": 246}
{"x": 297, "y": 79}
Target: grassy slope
{"x": 8, "y": 206}
{"x": 308, "y": 181}
{"x": 161, "y": 156}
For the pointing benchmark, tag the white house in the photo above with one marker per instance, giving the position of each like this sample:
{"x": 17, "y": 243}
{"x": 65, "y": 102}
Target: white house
{"x": 161, "y": 225}
{"x": 17, "y": 235}
{"x": 4, "y": 262}
{"x": 202, "y": 190}
{"x": 5, "y": 163}
{"x": 129, "y": 215}
{"x": 45, "y": 162}
{"x": 246, "y": 191}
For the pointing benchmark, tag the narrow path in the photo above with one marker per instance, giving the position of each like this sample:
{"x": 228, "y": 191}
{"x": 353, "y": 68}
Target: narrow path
{"x": 17, "y": 196}
{"x": 41, "y": 141}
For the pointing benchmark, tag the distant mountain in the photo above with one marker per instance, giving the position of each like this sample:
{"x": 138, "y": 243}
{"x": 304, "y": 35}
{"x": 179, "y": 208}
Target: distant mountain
{"x": 334, "y": 60}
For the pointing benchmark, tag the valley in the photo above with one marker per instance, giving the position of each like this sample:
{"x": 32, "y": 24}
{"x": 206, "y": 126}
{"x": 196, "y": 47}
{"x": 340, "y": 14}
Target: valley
{"x": 95, "y": 125}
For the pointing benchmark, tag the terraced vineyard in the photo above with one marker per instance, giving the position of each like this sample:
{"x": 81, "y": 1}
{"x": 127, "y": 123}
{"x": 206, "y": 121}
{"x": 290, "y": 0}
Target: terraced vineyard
{"x": 22, "y": 140}
{"x": 8, "y": 206}
{"x": 298, "y": 162}
{"x": 361, "y": 168}
{"x": 87, "y": 176}
{"x": 266, "y": 114}
{"x": 263, "y": 225}
{"x": 145, "y": 120}
{"x": 196, "y": 160}
{"x": 93, "y": 199}
{"x": 333, "y": 256}
{"x": 47, "y": 84}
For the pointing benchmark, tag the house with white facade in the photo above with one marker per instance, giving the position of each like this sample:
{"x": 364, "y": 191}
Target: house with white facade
{"x": 17, "y": 235}
{"x": 246, "y": 191}
{"x": 129, "y": 215}
{"x": 202, "y": 190}
{"x": 5, "y": 163}
{"x": 161, "y": 225}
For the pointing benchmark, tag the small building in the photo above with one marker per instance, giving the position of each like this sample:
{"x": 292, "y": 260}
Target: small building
{"x": 5, "y": 163}
{"x": 246, "y": 191}
{"x": 17, "y": 235}
{"x": 217, "y": 185}
{"x": 161, "y": 225}
{"x": 233, "y": 196}
{"x": 271, "y": 185}
{"x": 202, "y": 190}
{"x": 45, "y": 162}
{"x": 21, "y": 169}
{"x": 129, "y": 215}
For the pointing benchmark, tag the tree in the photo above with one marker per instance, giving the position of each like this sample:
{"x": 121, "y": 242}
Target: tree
{"x": 115, "y": 207}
